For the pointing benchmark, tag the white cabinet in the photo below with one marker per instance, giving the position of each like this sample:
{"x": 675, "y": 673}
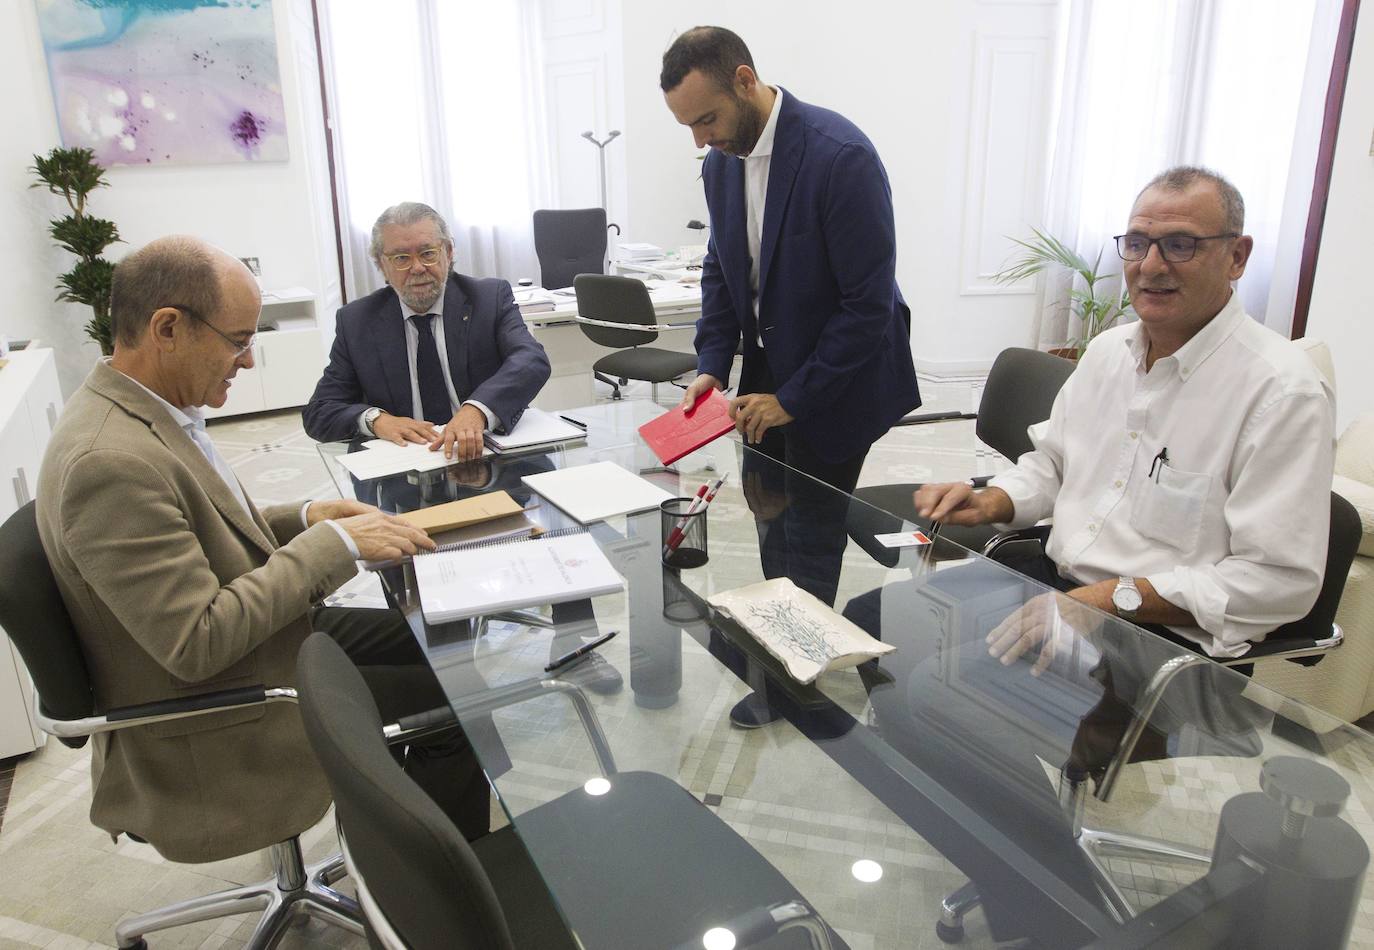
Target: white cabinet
{"x": 30, "y": 401}
{"x": 288, "y": 358}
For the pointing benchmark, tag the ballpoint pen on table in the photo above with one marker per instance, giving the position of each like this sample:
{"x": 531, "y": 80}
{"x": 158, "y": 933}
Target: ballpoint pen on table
{"x": 583, "y": 650}
{"x": 570, "y": 419}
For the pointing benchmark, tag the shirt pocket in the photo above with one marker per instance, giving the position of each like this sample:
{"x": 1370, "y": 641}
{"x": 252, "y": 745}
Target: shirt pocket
{"x": 1171, "y": 508}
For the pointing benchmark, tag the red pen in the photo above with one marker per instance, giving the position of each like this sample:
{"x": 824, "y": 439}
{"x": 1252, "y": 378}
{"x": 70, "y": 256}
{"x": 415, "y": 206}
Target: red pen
{"x": 675, "y": 536}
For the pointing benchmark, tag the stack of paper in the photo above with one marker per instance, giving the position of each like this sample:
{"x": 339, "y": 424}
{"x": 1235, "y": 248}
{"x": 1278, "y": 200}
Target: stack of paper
{"x": 596, "y": 492}
{"x": 535, "y": 428}
{"x": 534, "y": 300}
{"x": 463, "y": 512}
{"x": 380, "y": 458}
{"x": 484, "y": 579}
{"x": 640, "y": 252}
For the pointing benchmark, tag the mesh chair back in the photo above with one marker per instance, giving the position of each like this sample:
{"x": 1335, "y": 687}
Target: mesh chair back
{"x": 1020, "y": 392}
{"x": 1340, "y": 554}
{"x": 618, "y": 300}
{"x": 569, "y": 243}
{"x": 420, "y": 871}
{"x": 36, "y": 620}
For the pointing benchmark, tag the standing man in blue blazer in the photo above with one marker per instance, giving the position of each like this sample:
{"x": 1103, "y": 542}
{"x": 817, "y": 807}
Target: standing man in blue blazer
{"x": 801, "y": 267}
{"x": 432, "y": 348}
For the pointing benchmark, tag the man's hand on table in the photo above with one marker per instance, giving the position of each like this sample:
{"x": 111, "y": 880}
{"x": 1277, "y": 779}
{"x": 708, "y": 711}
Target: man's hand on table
{"x": 402, "y": 429}
{"x": 462, "y": 437}
{"x": 1047, "y": 624}
{"x": 960, "y": 503}
{"x": 383, "y": 537}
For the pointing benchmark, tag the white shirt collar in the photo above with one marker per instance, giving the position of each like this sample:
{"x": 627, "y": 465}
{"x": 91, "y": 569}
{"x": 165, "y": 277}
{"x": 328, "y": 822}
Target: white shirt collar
{"x": 192, "y": 416}
{"x": 407, "y": 313}
{"x": 1203, "y": 344}
{"x": 764, "y": 146}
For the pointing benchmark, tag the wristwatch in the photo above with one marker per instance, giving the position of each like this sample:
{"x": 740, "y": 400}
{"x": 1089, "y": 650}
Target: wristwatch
{"x": 369, "y": 417}
{"x": 1126, "y": 598}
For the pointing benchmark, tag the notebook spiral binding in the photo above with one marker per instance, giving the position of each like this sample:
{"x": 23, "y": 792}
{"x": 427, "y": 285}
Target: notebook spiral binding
{"x": 496, "y": 542}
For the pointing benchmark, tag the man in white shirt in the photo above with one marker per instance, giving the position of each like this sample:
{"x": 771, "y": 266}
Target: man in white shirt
{"x": 177, "y": 584}
{"x": 1187, "y": 462}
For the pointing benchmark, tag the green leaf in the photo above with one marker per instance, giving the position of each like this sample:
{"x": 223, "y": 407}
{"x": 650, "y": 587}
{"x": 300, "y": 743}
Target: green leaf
{"x": 83, "y": 236}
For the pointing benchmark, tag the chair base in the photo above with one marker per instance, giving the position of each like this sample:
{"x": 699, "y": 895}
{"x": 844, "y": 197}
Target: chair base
{"x": 1096, "y": 846}
{"x": 295, "y": 889}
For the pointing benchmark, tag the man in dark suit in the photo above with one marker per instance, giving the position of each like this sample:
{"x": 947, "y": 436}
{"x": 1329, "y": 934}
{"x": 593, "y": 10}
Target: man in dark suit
{"x": 395, "y": 371}
{"x": 801, "y": 268}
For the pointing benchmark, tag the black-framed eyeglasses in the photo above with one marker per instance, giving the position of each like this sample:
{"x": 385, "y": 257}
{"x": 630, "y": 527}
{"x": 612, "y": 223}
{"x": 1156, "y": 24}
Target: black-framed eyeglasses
{"x": 239, "y": 348}
{"x": 429, "y": 256}
{"x": 1174, "y": 248}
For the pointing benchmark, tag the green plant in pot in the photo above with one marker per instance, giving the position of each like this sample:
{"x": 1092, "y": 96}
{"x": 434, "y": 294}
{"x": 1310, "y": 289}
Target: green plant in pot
{"x": 1091, "y": 305}
{"x": 73, "y": 173}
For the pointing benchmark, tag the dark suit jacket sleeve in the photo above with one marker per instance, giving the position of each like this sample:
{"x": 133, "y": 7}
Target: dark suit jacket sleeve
{"x": 524, "y": 365}
{"x": 861, "y": 241}
{"x": 718, "y": 329}
{"x": 333, "y": 411}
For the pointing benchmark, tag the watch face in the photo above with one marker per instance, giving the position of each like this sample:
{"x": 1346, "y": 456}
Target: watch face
{"x": 1127, "y": 599}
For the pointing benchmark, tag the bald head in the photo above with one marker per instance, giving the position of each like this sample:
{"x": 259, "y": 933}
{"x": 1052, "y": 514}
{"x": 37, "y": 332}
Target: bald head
{"x": 172, "y": 271}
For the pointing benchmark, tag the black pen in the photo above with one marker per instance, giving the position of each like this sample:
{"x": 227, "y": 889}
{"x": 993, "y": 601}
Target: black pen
{"x": 583, "y": 650}
{"x": 1160, "y": 460}
{"x": 580, "y": 425}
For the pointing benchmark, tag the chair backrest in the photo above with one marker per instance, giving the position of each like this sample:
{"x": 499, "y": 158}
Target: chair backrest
{"x": 1019, "y": 393}
{"x": 1340, "y": 554}
{"x": 36, "y": 620}
{"x": 420, "y": 872}
{"x": 569, "y": 243}
{"x": 618, "y": 300}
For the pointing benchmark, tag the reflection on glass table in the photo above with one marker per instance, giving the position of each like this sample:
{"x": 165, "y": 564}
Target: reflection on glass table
{"x": 881, "y": 788}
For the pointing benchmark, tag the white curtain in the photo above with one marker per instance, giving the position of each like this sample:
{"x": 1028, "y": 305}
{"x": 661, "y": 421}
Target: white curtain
{"x": 439, "y": 102}
{"x": 1236, "y": 85}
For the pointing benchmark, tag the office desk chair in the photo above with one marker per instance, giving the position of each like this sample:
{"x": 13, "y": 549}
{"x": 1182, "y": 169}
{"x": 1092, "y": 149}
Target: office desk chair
{"x": 1020, "y": 392}
{"x": 1306, "y": 641}
{"x": 422, "y": 885}
{"x": 36, "y": 620}
{"x": 605, "y": 305}
{"x": 569, "y": 243}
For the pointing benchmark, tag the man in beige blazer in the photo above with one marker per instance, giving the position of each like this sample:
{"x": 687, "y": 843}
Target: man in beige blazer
{"x": 178, "y": 585}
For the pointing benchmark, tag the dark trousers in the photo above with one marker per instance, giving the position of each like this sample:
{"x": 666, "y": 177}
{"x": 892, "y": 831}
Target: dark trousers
{"x": 801, "y": 525}
{"x": 402, "y": 684}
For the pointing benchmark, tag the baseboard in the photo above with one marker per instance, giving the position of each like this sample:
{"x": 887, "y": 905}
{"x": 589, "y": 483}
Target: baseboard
{"x": 953, "y": 369}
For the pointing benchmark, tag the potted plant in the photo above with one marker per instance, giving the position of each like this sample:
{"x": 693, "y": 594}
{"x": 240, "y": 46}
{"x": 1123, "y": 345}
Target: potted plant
{"x": 73, "y": 173}
{"x": 1094, "y": 309}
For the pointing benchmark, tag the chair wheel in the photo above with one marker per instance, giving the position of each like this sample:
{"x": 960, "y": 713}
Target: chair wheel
{"x": 949, "y": 933}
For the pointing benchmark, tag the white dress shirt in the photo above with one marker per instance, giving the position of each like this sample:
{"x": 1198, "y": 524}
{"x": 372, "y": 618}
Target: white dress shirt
{"x": 1234, "y": 527}
{"x": 413, "y": 348}
{"x": 191, "y": 419}
{"x": 756, "y": 165}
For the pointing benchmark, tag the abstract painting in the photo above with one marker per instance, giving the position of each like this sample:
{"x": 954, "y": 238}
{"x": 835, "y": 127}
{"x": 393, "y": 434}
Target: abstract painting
{"x": 165, "y": 81}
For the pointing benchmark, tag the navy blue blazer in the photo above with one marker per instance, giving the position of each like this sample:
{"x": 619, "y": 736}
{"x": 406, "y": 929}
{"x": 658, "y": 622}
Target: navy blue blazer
{"x": 835, "y": 327}
{"x": 492, "y": 358}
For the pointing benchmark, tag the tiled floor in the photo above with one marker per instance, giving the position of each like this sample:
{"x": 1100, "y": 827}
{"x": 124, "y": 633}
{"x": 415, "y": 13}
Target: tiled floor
{"x": 64, "y": 884}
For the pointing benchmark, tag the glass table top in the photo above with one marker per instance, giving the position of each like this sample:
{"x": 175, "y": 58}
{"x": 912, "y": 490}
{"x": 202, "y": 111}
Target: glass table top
{"x": 868, "y": 796}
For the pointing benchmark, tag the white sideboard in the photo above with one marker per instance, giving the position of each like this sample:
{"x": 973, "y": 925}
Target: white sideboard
{"x": 288, "y": 358}
{"x": 30, "y": 400}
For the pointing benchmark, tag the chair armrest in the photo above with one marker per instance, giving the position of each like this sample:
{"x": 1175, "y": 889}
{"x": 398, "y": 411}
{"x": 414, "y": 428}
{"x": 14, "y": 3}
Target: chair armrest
{"x": 645, "y": 327}
{"x": 436, "y": 720}
{"x": 759, "y": 924}
{"x": 1289, "y": 649}
{"x": 1038, "y": 534}
{"x": 128, "y": 717}
{"x": 926, "y": 418}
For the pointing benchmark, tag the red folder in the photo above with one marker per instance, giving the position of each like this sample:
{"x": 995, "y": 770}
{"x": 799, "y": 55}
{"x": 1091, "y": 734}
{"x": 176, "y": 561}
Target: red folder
{"x": 679, "y": 432}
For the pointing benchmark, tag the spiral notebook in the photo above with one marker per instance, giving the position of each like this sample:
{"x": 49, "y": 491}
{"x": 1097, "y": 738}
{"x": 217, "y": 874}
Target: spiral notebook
{"x": 461, "y": 581}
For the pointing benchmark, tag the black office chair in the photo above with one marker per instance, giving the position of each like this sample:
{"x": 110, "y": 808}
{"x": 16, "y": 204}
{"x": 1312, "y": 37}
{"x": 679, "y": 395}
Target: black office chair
{"x": 422, "y": 885}
{"x": 569, "y": 243}
{"x": 1305, "y": 641}
{"x": 1020, "y": 392}
{"x": 606, "y": 307}
{"x": 36, "y": 620}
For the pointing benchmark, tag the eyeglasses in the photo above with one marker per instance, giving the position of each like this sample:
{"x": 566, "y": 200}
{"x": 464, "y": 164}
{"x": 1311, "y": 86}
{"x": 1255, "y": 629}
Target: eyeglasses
{"x": 239, "y": 348}
{"x": 428, "y": 256}
{"x": 1174, "y": 248}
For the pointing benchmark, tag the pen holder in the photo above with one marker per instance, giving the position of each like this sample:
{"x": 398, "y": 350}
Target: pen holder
{"x": 684, "y": 534}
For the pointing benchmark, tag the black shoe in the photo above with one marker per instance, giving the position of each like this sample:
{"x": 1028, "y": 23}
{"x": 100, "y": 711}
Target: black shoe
{"x": 599, "y": 676}
{"x": 753, "y": 712}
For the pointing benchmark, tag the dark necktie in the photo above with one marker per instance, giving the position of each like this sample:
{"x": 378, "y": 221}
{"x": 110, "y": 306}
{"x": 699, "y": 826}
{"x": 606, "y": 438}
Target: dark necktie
{"x": 430, "y": 373}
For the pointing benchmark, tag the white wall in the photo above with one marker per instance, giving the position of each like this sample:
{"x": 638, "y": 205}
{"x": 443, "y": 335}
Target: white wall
{"x": 1342, "y": 313}
{"x": 269, "y": 210}
{"x": 952, "y": 95}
